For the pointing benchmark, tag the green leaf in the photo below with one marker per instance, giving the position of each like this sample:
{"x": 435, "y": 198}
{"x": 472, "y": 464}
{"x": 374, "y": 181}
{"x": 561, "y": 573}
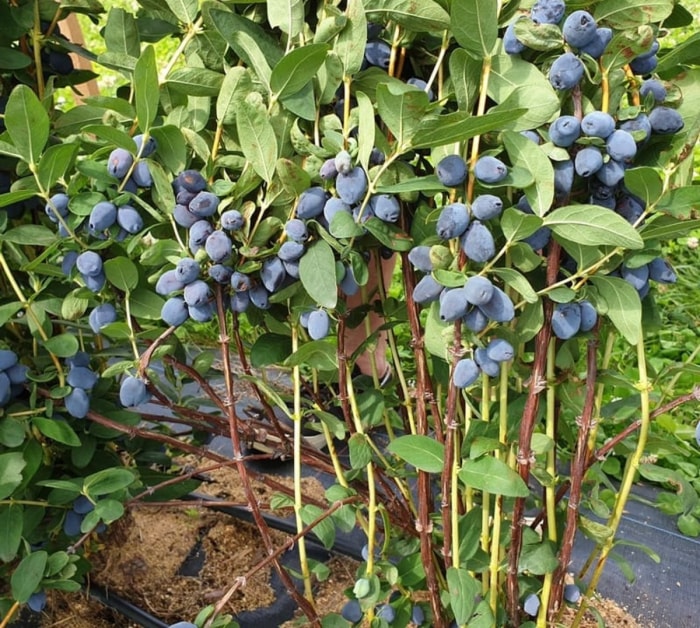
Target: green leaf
{"x": 184, "y": 10}
{"x": 518, "y": 225}
{"x": 27, "y": 123}
{"x": 351, "y": 41}
{"x": 494, "y": 476}
{"x": 234, "y": 88}
{"x": 109, "y": 510}
{"x": 172, "y": 149}
{"x": 121, "y": 34}
{"x": 293, "y": 178}
{"x": 12, "y": 432}
{"x": 622, "y": 14}
{"x": 680, "y": 202}
{"x": 625, "y": 46}
{"x": 592, "y": 225}
{"x": 343, "y": 225}
{"x": 317, "y": 274}
{"x": 287, "y": 15}
{"x": 324, "y": 529}
{"x": 114, "y": 136}
{"x": 57, "y": 430}
{"x": 667, "y": 228}
{"x": 463, "y": 589}
{"x": 465, "y": 72}
{"x": 257, "y": 139}
{"x": 122, "y": 273}
{"x": 147, "y": 88}
{"x": 316, "y": 354}
{"x": 296, "y": 69}
{"x": 16, "y": 197}
{"x": 622, "y": 305}
{"x": 196, "y": 81}
{"x": 538, "y": 558}
{"x": 402, "y": 108}
{"x": 107, "y": 481}
{"x": 269, "y": 349}
{"x": 360, "y": 451}
{"x": 518, "y": 282}
{"x": 530, "y": 321}
{"x": 461, "y": 126}
{"x": 474, "y": 24}
{"x": 54, "y": 163}
{"x": 524, "y": 153}
{"x": 11, "y": 522}
{"x": 687, "y": 52}
{"x": 11, "y": 59}
{"x": 28, "y": 575}
{"x": 428, "y": 184}
{"x": 424, "y": 16}
{"x": 537, "y": 36}
{"x": 422, "y": 452}
{"x": 64, "y": 345}
{"x": 389, "y": 235}
{"x": 33, "y": 235}
{"x": 645, "y": 183}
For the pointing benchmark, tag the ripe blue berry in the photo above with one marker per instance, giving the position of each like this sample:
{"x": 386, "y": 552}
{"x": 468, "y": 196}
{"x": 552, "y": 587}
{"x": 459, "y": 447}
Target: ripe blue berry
{"x": 204, "y": 204}
{"x": 89, "y": 263}
{"x": 539, "y": 239}
{"x": 486, "y": 364}
{"x": 452, "y": 221}
{"x": 296, "y": 230}
{"x": 240, "y": 282}
{"x": 292, "y": 269}
{"x": 129, "y": 219}
{"x": 655, "y": 88}
{"x": 451, "y": 171}
{"x": 637, "y": 277}
{"x": 119, "y": 162}
{"x": 427, "y": 290}
{"x": 566, "y": 320}
{"x": 37, "y": 601}
{"x": 500, "y": 350}
{"x": 191, "y": 181}
{"x": 272, "y": 274}
{"x": 168, "y": 283}
{"x": 102, "y": 216}
{"x": 199, "y": 232}
{"x": 621, "y": 146}
{"x": 640, "y": 124}
{"x": 343, "y": 162}
{"x": 421, "y": 85}
{"x": 596, "y": 47}
{"x": 453, "y": 304}
{"x": 531, "y": 605}
{"x": 81, "y": 358}
{"x": 511, "y": 44}
{"x": 290, "y": 251}
{"x": 419, "y": 256}
{"x": 385, "y": 207}
{"x": 477, "y": 242}
{"x": 333, "y": 206}
{"x": 82, "y": 505}
{"x": 351, "y": 187}
{"x": 240, "y": 301}
{"x": 572, "y": 593}
{"x": 81, "y": 377}
{"x": 133, "y": 392}
{"x": 174, "y": 311}
{"x": 94, "y": 282}
{"x": 348, "y": 283}
{"x": 352, "y": 612}
{"x": 417, "y": 615}
{"x": 487, "y": 206}
{"x": 141, "y": 175}
{"x": 148, "y": 148}
{"x": 547, "y": 11}
{"x": 588, "y": 161}
{"x": 101, "y": 316}
{"x": 17, "y": 374}
{"x": 490, "y": 170}
{"x": 187, "y": 270}
{"x": 563, "y": 178}
{"x": 499, "y": 307}
{"x": 387, "y": 613}
{"x": 611, "y": 173}
{"x": 328, "y": 171}
{"x": 8, "y": 358}
{"x": 311, "y": 203}
{"x": 318, "y": 324}
{"x": 478, "y": 290}
{"x": 475, "y": 320}
{"x": 201, "y": 313}
{"x": 196, "y": 293}
{"x": 665, "y": 121}
{"x": 579, "y": 29}
{"x": 218, "y": 246}
{"x": 232, "y": 220}
{"x": 259, "y": 297}
{"x": 598, "y": 124}
{"x": 77, "y": 403}
{"x": 183, "y": 216}
{"x": 661, "y": 271}
{"x": 643, "y": 66}
{"x": 378, "y": 53}
{"x": 566, "y": 71}
{"x": 589, "y": 315}
{"x": 220, "y": 273}
{"x": 59, "y": 203}
{"x": 466, "y": 372}
{"x": 564, "y": 131}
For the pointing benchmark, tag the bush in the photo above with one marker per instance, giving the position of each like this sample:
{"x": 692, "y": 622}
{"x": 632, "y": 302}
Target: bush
{"x": 271, "y": 172}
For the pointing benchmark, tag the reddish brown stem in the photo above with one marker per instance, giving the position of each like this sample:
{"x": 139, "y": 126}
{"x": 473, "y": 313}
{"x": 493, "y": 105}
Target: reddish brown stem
{"x": 527, "y": 426}
{"x": 578, "y": 470}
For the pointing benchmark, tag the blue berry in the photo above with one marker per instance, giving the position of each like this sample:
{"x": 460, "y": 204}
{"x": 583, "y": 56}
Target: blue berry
{"x": 579, "y": 29}
{"x": 259, "y": 297}
{"x": 272, "y": 274}
{"x": 82, "y": 505}
{"x": 59, "y": 203}
{"x": 220, "y": 273}
{"x": 318, "y": 324}
{"x": 168, "y": 283}
{"x": 351, "y": 187}
{"x": 240, "y": 282}
{"x": 187, "y": 270}
{"x": 451, "y": 171}
{"x": 566, "y": 71}
{"x": 665, "y": 121}
{"x": 387, "y": 613}
{"x": 183, "y": 216}
{"x": 296, "y": 230}
{"x": 427, "y": 290}
{"x": 531, "y": 605}
{"x": 598, "y": 124}
{"x": 352, "y": 611}
{"x": 452, "y": 221}
{"x": 37, "y": 601}
{"x": 453, "y": 304}
{"x": 348, "y": 283}
{"x": 486, "y": 364}
{"x": 466, "y": 372}
{"x": 643, "y": 66}
{"x": 129, "y": 219}
{"x": 500, "y": 350}
{"x": 133, "y": 392}
{"x": 343, "y": 162}
{"x": 477, "y": 242}
{"x": 199, "y": 232}
{"x": 499, "y": 307}
{"x": 8, "y": 359}
{"x": 588, "y": 161}
{"x": 119, "y": 162}
{"x": 566, "y": 320}
{"x": 218, "y": 246}
{"x": 196, "y": 293}
{"x": 201, "y": 313}
{"x": 378, "y": 53}
{"x": 290, "y": 251}
{"x": 661, "y": 271}
{"x": 478, "y": 290}
{"x": 621, "y": 146}
{"x": 148, "y": 148}
{"x": 589, "y": 315}
{"x": 141, "y": 174}
{"x": 637, "y": 277}
{"x": 487, "y": 206}
{"x": 563, "y": 178}
{"x": 419, "y": 256}
{"x": 572, "y": 593}
{"x": 490, "y": 170}
{"x": 101, "y": 316}
{"x": 655, "y": 88}
{"x": 81, "y": 377}
{"x": 311, "y": 203}
{"x": 333, "y": 206}
{"x": 240, "y": 301}
{"x": 328, "y": 171}
{"x": 564, "y": 131}
{"x": 191, "y": 181}
{"x": 611, "y": 173}
{"x": 547, "y": 11}
{"x": 511, "y": 44}
{"x": 204, "y": 204}
{"x": 77, "y": 403}
{"x": 596, "y": 47}
{"x": 232, "y": 220}
{"x": 385, "y": 207}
